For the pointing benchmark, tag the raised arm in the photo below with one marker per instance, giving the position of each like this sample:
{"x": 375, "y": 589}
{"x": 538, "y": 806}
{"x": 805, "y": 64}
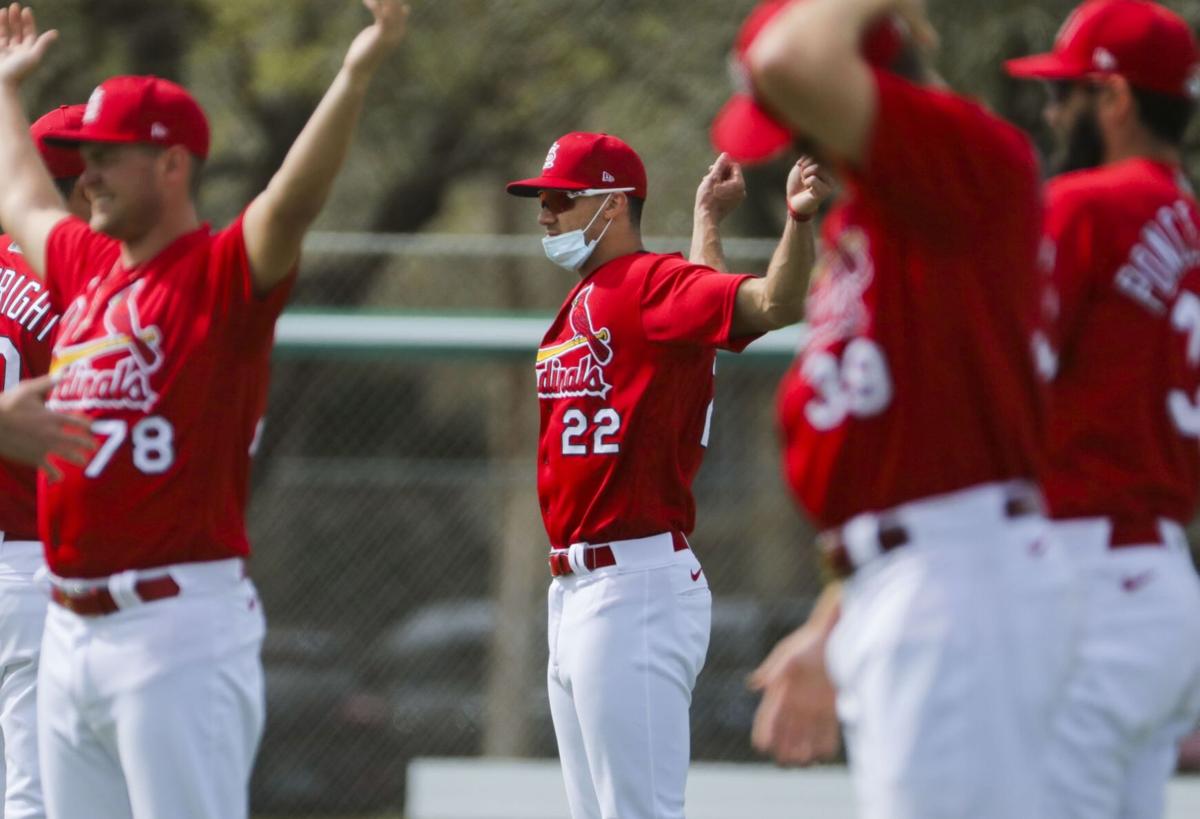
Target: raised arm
{"x": 808, "y": 67}
{"x": 30, "y": 205}
{"x": 777, "y": 299}
{"x": 720, "y": 192}
{"x": 276, "y": 221}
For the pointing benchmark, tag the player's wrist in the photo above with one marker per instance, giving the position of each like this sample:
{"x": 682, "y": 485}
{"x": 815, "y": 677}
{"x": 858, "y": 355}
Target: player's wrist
{"x": 798, "y": 216}
{"x": 358, "y": 75}
{"x": 11, "y": 83}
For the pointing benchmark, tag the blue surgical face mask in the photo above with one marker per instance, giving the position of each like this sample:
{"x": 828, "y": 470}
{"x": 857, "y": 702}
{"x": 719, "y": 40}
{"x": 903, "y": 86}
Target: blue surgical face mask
{"x": 572, "y": 249}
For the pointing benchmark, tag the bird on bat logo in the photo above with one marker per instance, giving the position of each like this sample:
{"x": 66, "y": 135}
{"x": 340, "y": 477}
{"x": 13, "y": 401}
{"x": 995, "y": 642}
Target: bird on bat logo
{"x": 575, "y": 365}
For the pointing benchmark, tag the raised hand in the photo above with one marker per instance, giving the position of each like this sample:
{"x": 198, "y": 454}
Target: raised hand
{"x": 808, "y": 185}
{"x": 32, "y": 434}
{"x": 379, "y": 39}
{"x": 21, "y": 47}
{"x": 721, "y": 190}
{"x": 915, "y": 16}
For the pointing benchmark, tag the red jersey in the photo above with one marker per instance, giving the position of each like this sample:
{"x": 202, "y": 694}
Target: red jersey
{"x": 170, "y": 359}
{"x": 625, "y": 384}
{"x": 918, "y": 378}
{"x": 1125, "y": 405}
{"x": 27, "y": 327}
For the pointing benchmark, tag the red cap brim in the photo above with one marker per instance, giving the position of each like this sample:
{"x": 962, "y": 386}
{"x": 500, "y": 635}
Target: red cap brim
{"x": 747, "y": 133}
{"x": 73, "y": 139}
{"x": 530, "y": 187}
{"x": 1045, "y": 67}
{"x": 61, "y": 161}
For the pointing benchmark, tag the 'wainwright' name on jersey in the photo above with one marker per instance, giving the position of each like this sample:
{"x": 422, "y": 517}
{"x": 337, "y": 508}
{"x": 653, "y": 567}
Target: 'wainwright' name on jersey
{"x": 23, "y": 300}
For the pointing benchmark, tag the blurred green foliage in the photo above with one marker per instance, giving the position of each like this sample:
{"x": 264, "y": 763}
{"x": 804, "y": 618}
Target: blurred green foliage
{"x": 481, "y": 88}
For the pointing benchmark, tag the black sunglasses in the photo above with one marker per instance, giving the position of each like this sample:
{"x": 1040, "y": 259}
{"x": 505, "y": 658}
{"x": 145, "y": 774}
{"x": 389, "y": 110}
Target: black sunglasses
{"x": 1061, "y": 90}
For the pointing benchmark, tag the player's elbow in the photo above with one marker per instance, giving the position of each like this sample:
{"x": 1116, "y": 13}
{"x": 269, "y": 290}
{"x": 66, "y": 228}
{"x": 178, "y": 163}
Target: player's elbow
{"x": 287, "y": 212}
{"x": 15, "y": 206}
{"x": 789, "y": 75}
{"x": 783, "y": 313}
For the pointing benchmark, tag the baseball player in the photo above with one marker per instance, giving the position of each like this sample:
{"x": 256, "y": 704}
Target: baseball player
{"x": 625, "y": 384}
{"x": 150, "y": 692}
{"x": 911, "y": 422}
{"x": 27, "y": 327}
{"x": 1123, "y": 472}
{"x": 29, "y": 433}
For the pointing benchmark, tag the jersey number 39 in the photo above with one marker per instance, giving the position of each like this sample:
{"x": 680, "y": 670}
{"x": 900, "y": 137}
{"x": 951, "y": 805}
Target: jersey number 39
{"x": 857, "y": 385}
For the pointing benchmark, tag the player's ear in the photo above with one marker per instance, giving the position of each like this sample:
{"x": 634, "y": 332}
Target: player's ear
{"x": 177, "y": 163}
{"x": 617, "y": 205}
{"x": 1114, "y": 93}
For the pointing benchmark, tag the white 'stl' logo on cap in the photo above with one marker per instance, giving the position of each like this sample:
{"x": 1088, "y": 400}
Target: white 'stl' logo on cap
{"x": 607, "y": 177}
{"x": 92, "y": 112}
{"x": 158, "y": 131}
{"x": 1104, "y": 60}
{"x": 550, "y": 157}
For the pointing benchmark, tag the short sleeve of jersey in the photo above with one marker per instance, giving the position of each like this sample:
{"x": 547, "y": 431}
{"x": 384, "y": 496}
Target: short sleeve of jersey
{"x": 72, "y": 252}
{"x": 1073, "y": 237}
{"x": 234, "y": 282}
{"x": 683, "y": 303}
{"x": 935, "y": 159}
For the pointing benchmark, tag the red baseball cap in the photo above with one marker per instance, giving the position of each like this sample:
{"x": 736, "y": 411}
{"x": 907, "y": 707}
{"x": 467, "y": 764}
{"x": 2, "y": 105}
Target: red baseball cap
{"x": 147, "y": 110}
{"x": 63, "y": 163}
{"x": 587, "y": 162}
{"x": 1150, "y": 46}
{"x": 743, "y": 128}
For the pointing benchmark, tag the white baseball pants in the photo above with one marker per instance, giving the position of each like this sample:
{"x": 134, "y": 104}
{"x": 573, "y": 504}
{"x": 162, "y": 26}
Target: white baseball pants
{"x": 156, "y": 710}
{"x": 950, "y": 657}
{"x": 1136, "y": 690}
{"x": 626, "y": 645}
{"x": 22, "y": 615}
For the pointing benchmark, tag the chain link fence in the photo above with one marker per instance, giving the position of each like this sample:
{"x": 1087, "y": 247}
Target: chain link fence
{"x": 398, "y": 543}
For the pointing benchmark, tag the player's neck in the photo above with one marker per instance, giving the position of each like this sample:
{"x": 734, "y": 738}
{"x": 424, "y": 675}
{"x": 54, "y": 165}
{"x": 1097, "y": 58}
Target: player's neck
{"x": 1141, "y": 145}
{"x": 175, "y": 223}
{"x": 606, "y": 251}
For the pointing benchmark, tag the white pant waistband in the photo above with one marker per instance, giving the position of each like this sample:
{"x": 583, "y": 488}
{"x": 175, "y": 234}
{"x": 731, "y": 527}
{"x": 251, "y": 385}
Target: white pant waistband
{"x": 206, "y": 576}
{"x": 636, "y": 553}
{"x": 1092, "y": 537}
{"x": 20, "y": 548}
{"x": 21, "y": 557}
{"x": 866, "y": 536}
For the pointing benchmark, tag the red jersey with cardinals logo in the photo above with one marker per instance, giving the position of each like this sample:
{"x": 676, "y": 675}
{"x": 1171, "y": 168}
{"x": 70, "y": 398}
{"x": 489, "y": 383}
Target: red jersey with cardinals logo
{"x": 27, "y": 328}
{"x": 170, "y": 359}
{"x": 625, "y": 384}
{"x": 918, "y": 376}
{"x": 1123, "y": 242}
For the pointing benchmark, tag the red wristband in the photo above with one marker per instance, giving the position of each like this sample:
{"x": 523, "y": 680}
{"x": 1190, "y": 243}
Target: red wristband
{"x": 795, "y": 215}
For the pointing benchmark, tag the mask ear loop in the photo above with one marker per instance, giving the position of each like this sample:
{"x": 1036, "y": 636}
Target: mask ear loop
{"x": 592, "y": 221}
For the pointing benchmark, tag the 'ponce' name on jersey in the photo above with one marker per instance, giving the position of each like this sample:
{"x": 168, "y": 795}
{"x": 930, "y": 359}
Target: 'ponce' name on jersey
{"x": 113, "y": 370}
{"x": 1169, "y": 247}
